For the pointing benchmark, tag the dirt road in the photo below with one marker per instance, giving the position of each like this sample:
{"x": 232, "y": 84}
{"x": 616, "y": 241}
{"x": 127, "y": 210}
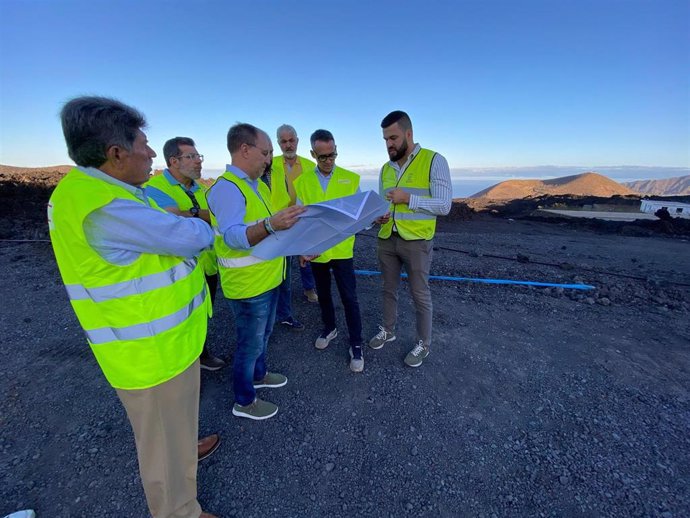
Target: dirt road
{"x": 533, "y": 402}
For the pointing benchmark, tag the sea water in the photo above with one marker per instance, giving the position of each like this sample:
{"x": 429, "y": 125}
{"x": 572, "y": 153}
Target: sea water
{"x": 462, "y": 188}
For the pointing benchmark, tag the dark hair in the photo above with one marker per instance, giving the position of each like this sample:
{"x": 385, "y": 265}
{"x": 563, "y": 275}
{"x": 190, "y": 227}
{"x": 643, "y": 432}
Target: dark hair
{"x": 242, "y": 133}
{"x": 402, "y": 118}
{"x": 172, "y": 147}
{"x": 92, "y": 125}
{"x": 322, "y": 135}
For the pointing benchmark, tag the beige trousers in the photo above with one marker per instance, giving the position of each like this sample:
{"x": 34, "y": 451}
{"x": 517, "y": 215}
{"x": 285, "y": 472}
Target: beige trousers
{"x": 415, "y": 256}
{"x": 165, "y": 420}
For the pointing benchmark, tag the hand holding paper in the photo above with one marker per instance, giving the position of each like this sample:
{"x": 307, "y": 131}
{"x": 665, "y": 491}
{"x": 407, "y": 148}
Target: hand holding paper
{"x": 323, "y": 225}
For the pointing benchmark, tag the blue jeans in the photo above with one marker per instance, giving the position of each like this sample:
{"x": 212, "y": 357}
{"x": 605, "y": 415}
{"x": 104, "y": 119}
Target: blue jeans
{"x": 284, "y": 309}
{"x": 344, "y": 275}
{"x": 254, "y": 319}
{"x": 307, "y": 277}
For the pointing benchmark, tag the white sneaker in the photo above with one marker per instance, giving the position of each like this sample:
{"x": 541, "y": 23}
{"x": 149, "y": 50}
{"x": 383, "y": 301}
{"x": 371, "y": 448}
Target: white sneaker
{"x": 356, "y": 359}
{"x": 325, "y": 338}
{"x": 27, "y": 513}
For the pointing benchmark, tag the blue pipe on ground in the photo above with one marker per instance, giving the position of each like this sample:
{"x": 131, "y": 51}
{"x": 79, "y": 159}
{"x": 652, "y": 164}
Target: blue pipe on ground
{"x": 491, "y": 281}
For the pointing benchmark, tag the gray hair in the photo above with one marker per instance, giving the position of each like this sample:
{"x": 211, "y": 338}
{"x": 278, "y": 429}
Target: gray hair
{"x": 242, "y": 133}
{"x": 92, "y": 125}
{"x": 172, "y": 147}
{"x": 285, "y": 127}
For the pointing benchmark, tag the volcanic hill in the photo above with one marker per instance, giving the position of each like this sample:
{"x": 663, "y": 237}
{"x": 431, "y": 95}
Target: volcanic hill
{"x": 585, "y": 184}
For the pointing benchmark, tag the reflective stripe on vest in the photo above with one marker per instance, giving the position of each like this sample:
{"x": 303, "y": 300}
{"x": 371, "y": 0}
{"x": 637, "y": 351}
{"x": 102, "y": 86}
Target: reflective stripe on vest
{"x": 243, "y": 276}
{"x": 145, "y": 321}
{"x": 409, "y": 190}
{"x": 239, "y": 262}
{"x": 134, "y": 286}
{"x": 414, "y": 216}
{"x": 146, "y": 329}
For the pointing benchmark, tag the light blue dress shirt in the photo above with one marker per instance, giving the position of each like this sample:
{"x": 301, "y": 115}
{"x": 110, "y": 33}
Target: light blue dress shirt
{"x": 227, "y": 203}
{"x": 123, "y": 229}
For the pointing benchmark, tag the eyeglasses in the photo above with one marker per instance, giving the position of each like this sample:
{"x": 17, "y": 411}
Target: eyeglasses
{"x": 264, "y": 152}
{"x": 325, "y": 158}
{"x": 192, "y": 156}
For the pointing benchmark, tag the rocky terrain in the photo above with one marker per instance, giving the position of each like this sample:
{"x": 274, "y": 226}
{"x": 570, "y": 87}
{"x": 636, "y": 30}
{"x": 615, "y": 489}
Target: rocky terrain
{"x": 678, "y": 186}
{"x": 535, "y": 401}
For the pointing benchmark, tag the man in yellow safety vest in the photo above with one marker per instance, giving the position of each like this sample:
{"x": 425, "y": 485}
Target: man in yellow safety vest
{"x": 133, "y": 280}
{"x": 176, "y": 190}
{"x": 328, "y": 182}
{"x": 243, "y": 215}
{"x": 417, "y": 183}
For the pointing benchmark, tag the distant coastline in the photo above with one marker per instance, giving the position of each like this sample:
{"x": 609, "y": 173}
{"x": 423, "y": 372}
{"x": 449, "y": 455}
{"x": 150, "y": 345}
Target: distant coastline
{"x": 466, "y": 181}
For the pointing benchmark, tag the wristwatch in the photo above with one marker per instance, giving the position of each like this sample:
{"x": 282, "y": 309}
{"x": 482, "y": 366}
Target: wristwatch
{"x": 194, "y": 211}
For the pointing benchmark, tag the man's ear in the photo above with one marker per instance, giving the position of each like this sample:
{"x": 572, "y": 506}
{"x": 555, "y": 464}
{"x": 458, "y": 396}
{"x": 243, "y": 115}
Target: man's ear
{"x": 114, "y": 154}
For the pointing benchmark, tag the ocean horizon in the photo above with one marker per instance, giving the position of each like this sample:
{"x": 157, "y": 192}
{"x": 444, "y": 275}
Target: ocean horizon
{"x": 462, "y": 187}
{"x": 470, "y": 180}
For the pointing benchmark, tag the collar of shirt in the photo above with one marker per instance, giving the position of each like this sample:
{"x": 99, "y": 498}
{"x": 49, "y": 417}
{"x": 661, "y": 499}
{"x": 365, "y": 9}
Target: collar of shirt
{"x": 401, "y": 170}
{"x": 173, "y": 181}
{"x": 241, "y": 174}
{"x": 321, "y": 175}
{"x": 100, "y": 175}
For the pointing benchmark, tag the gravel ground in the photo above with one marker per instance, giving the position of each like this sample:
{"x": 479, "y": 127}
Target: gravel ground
{"x": 533, "y": 402}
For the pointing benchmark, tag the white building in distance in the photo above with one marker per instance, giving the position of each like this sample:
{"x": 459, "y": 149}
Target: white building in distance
{"x": 675, "y": 208}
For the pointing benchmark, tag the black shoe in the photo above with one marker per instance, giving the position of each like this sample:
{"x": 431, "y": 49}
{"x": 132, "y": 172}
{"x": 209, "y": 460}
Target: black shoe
{"x": 293, "y": 324}
{"x": 211, "y": 363}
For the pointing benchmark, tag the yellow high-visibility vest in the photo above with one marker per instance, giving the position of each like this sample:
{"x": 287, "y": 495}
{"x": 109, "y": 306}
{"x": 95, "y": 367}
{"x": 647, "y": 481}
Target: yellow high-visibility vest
{"x": 207, "y": 259}
{"x": 342, "y": 183}
{"x": 280, "y": 194}
{"x": 146, "y": 321}
{"x": 243, "y": 275}
{"x": 415, "y": 180}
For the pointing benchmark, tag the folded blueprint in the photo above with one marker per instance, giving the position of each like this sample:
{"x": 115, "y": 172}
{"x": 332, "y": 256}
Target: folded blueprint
{"x": 324, "y": 225}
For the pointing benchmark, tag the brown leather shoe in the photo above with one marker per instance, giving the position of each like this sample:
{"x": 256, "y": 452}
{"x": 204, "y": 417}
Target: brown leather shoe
{"x": 206, "y": 446}
{"x": 207, "y": 515}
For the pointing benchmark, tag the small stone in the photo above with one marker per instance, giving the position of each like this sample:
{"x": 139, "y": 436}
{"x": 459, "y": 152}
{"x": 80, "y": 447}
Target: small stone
{"x": 329, "y": 466}
{"x": 415, "y": 451}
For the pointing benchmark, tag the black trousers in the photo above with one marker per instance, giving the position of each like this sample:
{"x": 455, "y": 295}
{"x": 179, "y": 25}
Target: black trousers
{"x": 344, "y": 275}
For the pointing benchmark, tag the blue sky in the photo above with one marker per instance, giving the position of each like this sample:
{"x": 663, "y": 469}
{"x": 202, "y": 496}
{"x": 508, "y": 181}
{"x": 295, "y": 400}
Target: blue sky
{"x": 487, "y": 83}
